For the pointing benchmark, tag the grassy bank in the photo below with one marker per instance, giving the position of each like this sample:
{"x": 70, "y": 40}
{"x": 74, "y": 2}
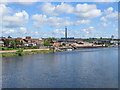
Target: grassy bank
{"x": 21, "y": 53}
{"x": 5, "y": 48}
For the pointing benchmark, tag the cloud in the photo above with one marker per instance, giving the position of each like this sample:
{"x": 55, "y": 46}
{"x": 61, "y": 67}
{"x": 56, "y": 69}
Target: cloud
{"x": 109, "y": 10}
{"x": 58, "y": 22}
{"x": 41, "y": 20}
{"x": 90, "y": 32}
{"x": 116, "y": 29}
{"x": 78, "y": 22}
{"x": 109, "y": 15}
{"x": 59, "y": 31}
{"x": 17, "y": 20}
{"x": 80, "y": 10}
{"x": 4, "y": 10}
{"x": 103, "y": 19}
{"x": 87, "y": 11}
{"x": 25, "y": 2}
{"x": 112, "y": 15}
{"x": 50, "y": 9}
{"x": 19, "y": 2}
{"x": 12, "y": 21}
{"x": 8, "y": 31}
{"x": 23, "y": 30}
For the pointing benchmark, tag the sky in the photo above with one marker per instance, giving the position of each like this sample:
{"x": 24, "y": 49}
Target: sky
{"x": 48, "y": 19}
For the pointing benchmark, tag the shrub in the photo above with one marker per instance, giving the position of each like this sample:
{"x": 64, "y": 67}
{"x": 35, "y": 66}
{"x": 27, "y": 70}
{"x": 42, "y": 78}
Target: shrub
{"x": 4, "y": 48}
{"x": 20, "y": 52}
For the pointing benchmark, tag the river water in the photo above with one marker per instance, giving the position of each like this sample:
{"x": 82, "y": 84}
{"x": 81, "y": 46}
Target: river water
{"x": 86, "y": 68}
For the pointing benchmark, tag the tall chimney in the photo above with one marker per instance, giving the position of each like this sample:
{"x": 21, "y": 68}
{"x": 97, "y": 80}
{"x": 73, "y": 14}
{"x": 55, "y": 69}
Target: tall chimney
{"x": 66, "y": 33}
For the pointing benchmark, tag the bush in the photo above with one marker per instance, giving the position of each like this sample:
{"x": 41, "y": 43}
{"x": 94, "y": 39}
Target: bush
{"x": 20, "y": 52}
{"x": 4, "y": 48}
{"x": 10, "y": 49}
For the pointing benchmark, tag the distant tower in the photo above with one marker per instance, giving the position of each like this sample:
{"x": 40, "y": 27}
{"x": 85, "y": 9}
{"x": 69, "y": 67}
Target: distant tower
{"x": 112, "y": 37}
{"x": 66, "y": 33}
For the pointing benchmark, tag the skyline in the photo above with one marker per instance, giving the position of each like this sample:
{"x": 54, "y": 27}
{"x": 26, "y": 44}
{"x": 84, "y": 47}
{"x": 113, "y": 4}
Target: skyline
{"x": 83, "y": 20}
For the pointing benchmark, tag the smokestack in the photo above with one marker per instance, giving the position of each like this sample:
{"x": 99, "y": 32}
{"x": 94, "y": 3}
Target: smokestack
{"x": 66, "y": 33}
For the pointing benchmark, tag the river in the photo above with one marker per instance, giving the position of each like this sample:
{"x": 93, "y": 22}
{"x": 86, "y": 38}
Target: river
{"x": 86, "y": 68}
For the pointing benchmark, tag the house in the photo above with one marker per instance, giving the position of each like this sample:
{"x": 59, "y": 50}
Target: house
{"x": 79, "y": 41}
{"x": 114, "y": 42}
{"x": 20, "y": 39}
{"x": 56, "y": 44}
{"x": 51, "y": 43}
{"x": 1, "y": 43}
{"x": 28, "y": 41}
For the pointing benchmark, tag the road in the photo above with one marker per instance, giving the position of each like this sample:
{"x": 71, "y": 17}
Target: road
{"x": 8, "y": 51}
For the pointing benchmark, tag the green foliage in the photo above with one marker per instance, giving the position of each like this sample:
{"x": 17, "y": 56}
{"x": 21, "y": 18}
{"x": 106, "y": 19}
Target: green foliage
{"x": 6, "y": 42}
{"x": 20, "y": 52}
{"x": 49, "y": 39}
{"x": 101, "y": 38}
{"x": 13, "y": 44}
{"x": 107, "y": 44}
{"x": 63, "y": 44}
{"x": 4, "y": 48}
{"x": 47, "y": 43}
{"x": 17, "y": 42}
{"x": 21, "y": 43}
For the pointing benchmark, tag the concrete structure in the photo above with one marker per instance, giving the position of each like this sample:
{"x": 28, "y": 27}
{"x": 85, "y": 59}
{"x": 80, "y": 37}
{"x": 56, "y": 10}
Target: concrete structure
{"x": 112, "y": 37}
{"x": 66, "y": 33}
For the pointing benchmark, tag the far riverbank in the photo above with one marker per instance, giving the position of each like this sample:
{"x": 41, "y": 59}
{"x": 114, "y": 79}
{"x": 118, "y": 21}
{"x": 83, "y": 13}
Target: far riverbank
{"x": 21, "y": 52}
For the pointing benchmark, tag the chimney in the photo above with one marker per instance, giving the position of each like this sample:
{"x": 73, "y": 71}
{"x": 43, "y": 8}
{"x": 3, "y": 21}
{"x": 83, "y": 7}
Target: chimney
{"x": 66, "y": 33}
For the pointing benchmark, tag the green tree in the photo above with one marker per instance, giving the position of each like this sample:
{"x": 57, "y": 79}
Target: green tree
{"x": 63, "y": 44}
{"x": 17, "y": 42}
{"x": 13, "y": 44}
{"x": 21, "y": 43}
{"x": 101, "y": 38}
{"x": 90, "y": 39}
{"x": 47, "y": 43}
{"x": 49, "y": 39}
{"x": 6, "y": 42}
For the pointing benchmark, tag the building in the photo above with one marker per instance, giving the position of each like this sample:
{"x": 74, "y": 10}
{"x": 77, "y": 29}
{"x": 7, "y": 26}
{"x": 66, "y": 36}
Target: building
{"x": 28, "y": 41}
{"x": 66, "y": 34}
{"x": 69, "y": 40}
{"x": 1, "y": 43}
{"x": 103, "y": 42}
{"x": 112, "y": 37}
{"x": 19, "y": 39}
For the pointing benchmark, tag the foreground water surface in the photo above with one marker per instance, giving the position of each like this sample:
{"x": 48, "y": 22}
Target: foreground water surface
{"x": 86, "y": 68}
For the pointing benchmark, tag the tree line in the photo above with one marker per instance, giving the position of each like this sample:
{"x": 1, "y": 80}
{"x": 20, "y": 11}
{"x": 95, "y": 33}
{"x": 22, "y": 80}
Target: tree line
{"x": 13, "y": 44}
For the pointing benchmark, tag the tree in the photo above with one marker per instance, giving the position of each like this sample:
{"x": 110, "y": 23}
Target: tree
{"x": 101, "y": 38}
{"x": 13, "y": 44}
{"x": 63, "y": 44}
{"x": 49, "y": 39}
{"x": 46, "y": 43}
{"x": 6, "y": 42}
{"x": 17, "y": 42}
{"x": 9, "y": 37}
{"x": 21, "y": 43}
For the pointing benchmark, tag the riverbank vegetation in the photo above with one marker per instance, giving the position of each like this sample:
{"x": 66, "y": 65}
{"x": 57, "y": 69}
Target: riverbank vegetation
{"x": 6, "y": 48}
{"x": 21, "y": 53}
